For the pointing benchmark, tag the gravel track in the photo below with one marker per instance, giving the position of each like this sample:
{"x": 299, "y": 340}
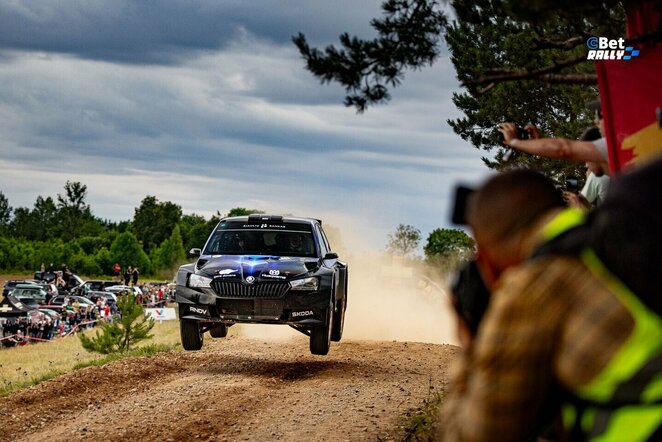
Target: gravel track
{"x": 236, "y": 388}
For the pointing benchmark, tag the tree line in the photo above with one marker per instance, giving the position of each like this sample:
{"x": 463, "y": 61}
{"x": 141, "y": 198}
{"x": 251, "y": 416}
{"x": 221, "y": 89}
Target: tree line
{"x": 445, "y": 249}
{"x": 64, "y": 230}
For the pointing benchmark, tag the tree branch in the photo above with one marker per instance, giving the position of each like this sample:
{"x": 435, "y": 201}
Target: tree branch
{"x": 545, "y": 43}
{"x": 543, "y": 74}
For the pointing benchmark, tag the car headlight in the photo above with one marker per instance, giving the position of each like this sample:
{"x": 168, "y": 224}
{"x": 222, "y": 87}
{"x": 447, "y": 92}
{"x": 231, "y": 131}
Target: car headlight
{"x": 198, "y": 281}
{"x": 309, "y": 284}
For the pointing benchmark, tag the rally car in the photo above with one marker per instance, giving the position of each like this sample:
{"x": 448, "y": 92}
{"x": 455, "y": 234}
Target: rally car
{"x": 264, "y": 269}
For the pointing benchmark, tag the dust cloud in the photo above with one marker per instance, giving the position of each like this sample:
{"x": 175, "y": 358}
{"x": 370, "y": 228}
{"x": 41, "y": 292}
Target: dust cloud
{"x": 393, "y": 300}
{"x": 389, "y": 299}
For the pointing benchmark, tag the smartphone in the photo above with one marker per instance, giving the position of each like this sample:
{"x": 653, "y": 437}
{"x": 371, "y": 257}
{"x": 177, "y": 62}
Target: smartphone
{"x": 572, "y": 184}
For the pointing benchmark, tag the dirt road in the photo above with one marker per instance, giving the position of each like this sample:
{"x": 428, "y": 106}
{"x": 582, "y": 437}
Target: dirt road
{"x": 237, "y": 388}
{"x": 263, "y": 384}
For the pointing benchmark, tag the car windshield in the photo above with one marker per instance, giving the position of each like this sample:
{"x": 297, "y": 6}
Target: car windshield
{"x": 32, "y": 293}
{"x": 260, "y": 242}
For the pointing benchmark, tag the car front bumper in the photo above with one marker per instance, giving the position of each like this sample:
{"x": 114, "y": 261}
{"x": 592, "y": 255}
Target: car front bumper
{"x": 304, "y": 309}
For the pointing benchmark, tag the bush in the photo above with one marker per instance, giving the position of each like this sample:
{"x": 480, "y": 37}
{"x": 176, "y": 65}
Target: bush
{"x": 119, "y": 335}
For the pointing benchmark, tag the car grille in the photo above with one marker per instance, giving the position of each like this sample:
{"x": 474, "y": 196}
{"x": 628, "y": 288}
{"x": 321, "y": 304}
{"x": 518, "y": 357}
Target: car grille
{"x": 227, "y": 289}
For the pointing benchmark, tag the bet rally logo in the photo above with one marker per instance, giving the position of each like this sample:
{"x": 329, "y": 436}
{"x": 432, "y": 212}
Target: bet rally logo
{"x": 603, "y": 48}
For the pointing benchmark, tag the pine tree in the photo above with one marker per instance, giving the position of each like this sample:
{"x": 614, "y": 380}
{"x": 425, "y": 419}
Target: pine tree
{"x": 119, "y": 335}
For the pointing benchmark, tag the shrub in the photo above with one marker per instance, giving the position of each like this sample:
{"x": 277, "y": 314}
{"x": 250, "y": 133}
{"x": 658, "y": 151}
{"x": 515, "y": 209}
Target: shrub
{"x": 119, "y": 335}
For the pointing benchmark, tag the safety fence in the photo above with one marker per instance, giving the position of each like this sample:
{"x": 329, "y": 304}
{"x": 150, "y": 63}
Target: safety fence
{"x": 25, "y": 338}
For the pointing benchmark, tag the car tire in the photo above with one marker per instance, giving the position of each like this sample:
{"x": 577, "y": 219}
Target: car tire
{"x": 338, "y": 322}
{"x": 220, "y": 331}
{"x": 320, "y": 337}
{"x": 189, "y": 332}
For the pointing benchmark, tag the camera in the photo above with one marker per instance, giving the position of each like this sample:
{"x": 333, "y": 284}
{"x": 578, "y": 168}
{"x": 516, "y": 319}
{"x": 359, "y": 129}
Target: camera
{"x": 462, "y": 194}
{"x": 572, "y": 184}
{"x": 522, "y": 134}
{"x": 470, "y": 295}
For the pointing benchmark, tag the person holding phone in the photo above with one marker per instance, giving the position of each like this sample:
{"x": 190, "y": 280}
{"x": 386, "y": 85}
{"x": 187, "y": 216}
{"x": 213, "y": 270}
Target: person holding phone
{"x": 597, "y": 181}
{"x": 594, "y": 191}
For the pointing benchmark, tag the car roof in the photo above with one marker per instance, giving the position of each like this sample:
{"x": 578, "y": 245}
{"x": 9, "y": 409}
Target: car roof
{"x": 28, "y": 286}
{"x": 257, "y": 217}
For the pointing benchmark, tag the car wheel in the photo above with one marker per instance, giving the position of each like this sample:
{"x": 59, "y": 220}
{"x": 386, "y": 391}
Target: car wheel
{"x": 189, "y": 332}
{"x": 320, "y": 337}
{"x": 220, "y": 331}
{"x": 338, "y": 322}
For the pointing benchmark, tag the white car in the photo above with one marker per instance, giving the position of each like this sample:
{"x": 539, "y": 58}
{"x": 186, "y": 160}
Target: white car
{"x": 123, "y": 288}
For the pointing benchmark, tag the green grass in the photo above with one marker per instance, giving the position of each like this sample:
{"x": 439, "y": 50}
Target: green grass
{"x": 420, "y": 424}
{"x": 28, "y": 365}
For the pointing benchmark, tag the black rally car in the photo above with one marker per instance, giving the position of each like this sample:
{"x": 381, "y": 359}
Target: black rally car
{"x": 264, "y": 269}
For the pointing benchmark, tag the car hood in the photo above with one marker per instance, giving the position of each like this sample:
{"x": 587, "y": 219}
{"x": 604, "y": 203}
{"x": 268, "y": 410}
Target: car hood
{"x": 266, "y": 268}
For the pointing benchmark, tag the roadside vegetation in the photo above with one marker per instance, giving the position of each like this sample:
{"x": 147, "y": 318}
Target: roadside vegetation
{"x": 31, "y": 364}
{"x": 120, "y": 335}
{"x": 420, "y": 425}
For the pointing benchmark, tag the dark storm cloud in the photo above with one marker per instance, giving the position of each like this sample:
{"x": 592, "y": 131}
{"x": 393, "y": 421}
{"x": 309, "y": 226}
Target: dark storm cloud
{"x": 165, "y": 31}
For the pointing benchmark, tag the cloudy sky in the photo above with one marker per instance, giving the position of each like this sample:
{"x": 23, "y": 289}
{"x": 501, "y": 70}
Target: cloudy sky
{"x": 207, "y": 104}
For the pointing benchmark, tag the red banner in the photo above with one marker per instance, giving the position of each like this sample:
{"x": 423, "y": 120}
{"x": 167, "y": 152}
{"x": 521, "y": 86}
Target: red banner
{"x": 631, "y": 92}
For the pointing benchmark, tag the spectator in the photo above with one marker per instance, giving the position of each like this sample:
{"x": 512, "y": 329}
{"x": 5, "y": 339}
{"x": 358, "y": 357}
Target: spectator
{"x": 595, "y": 151}
{"x": 594, "y": 191}
{"x": 116, "y": 270}
{"x": 597, "y": 181}
{"x": 134, "y": 276}
{"x": 556, "y": 327}
{"x": 66, "y": 276}
{"x": 127, "y": 275}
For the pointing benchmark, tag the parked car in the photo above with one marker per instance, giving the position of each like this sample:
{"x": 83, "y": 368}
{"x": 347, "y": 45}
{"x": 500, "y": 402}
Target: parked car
{"x": 28, "y": 302}
{"x": 30, "y": 291}
{"x": 124, "y": 288}
{"x": 110, "y": 298}
{"x": 50, "y": 276}
{"x": 62, "y": 300}
{"x": 47, "y": 287}
{"x": 264, "y": 269}
{"x": 51, "y": 313}
{"x": 9, "y": 286}
{"x": 97, "y": 285}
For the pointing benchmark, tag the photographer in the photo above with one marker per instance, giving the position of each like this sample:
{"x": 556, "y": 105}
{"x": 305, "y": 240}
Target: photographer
{"x": 563, "y": 148}
{"x": 557, "y": 330}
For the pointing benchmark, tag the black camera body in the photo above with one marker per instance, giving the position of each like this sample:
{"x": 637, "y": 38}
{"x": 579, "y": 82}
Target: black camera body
{"x": 470, "y": 295}
{"x": 522, "y": 134}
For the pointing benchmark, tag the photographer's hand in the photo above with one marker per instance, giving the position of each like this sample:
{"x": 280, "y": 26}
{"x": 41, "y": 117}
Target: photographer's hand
{"x": 509, "y": 132}
{"x": 533, "y": 131}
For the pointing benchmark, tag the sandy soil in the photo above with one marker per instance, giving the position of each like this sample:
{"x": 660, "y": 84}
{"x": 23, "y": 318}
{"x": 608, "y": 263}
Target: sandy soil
{"x": 236, "y": 388}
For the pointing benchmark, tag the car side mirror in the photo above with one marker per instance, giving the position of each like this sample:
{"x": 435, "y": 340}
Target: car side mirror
{"x": 331, "y": 255}
{"x": 195, "y": 252}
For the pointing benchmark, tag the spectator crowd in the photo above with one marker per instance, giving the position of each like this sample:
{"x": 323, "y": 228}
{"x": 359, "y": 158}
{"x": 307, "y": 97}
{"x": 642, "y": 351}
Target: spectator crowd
{"x": 51, "y": 321}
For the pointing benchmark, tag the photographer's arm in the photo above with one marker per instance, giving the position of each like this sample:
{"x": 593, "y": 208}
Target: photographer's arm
{"x": 551, "y": 147}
